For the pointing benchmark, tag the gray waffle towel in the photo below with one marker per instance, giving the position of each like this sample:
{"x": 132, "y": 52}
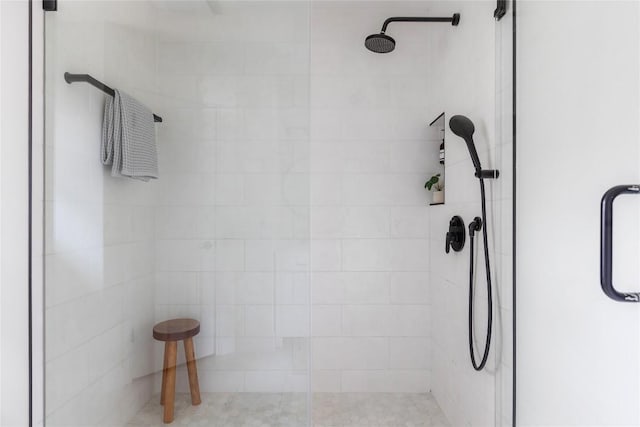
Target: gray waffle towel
{"x": 128, "y": 138}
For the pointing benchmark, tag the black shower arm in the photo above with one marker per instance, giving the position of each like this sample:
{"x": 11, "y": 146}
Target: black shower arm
{"x": 455, "y": 19}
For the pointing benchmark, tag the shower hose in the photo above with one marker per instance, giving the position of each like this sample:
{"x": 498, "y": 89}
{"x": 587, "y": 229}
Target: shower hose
{"x": 487, "y": 344}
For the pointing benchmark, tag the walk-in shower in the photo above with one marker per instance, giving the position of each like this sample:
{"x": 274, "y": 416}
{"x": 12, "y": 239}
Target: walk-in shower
{"x": 289, "y": 220}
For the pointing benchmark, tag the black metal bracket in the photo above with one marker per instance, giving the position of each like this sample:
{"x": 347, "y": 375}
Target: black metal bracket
{"x": 606, "y": 250}
{"x": 456, "y": 235}
{"x": 50, "y": 5}
{"x": 501, "y": 10}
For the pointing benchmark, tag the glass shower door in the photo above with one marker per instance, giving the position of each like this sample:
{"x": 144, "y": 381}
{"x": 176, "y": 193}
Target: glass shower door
{"x": 578, "y": 137}
{"x": 221, "y": 237}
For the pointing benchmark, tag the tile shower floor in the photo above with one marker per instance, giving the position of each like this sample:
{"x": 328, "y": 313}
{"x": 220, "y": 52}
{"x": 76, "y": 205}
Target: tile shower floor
{"x": 289, "y": 410}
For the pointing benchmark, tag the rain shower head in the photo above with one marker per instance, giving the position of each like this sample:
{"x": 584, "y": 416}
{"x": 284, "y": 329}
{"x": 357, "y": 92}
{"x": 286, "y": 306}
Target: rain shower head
{"x": 382, "y": 43}
{"x": 464, "y": 128}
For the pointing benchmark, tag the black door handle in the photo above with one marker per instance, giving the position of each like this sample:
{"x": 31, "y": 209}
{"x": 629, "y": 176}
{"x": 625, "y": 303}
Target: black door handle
{"x": 606, "y": 229}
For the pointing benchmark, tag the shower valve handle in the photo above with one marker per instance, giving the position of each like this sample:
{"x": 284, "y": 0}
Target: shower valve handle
{"x": 455, "y": 237}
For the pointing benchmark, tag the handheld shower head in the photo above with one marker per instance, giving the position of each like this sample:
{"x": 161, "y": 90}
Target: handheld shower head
{"x": 464, "y": 128}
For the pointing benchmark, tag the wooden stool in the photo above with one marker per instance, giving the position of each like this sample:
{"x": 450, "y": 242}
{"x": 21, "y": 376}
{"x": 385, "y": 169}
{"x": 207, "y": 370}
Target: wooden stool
{"x": 172, "y": 331}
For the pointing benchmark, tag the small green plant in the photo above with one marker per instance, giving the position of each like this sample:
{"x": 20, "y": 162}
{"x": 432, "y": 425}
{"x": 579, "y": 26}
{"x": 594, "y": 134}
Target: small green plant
{"x": 434, "y": 182}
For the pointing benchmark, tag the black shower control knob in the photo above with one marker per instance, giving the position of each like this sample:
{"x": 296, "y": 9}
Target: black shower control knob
{"x": 455, "y": 237}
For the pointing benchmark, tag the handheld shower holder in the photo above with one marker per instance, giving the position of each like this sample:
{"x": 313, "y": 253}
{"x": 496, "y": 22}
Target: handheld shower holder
{"x": 475, "y": 225}
{"x": 487, "y": 174}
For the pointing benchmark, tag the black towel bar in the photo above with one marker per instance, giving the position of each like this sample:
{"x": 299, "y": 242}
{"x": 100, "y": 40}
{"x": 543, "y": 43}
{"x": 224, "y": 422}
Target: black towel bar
{"x": 72, "y": 78}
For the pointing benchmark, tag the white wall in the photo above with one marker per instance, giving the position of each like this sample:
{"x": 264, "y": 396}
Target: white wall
{"x": 371, "y": 153}
{"x": 99, "y": 239}
{"x": 14, "y": 127}
{"x": 232, "y": 222}
{"x": 236, "y": 193}
{"x": 578, "y": 105}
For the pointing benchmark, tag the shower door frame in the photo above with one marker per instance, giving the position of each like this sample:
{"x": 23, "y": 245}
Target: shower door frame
{"x": 514, "y": 204}
{"x": 36, "y": 216}
{"x": 15, "y": 336}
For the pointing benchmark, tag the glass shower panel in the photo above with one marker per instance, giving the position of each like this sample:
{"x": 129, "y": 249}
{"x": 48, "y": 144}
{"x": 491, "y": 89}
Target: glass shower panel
{"x": 502, "y": 207}
{"x": 99, "y": 241}
{"x": 474, "y": 69}
{"x": 292, "y": 166}
{"x": 221, "y": 237}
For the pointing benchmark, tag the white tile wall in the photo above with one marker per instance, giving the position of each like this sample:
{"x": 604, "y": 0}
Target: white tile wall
{"x": 369, "y": 220}
{"x": 233, "y": 224}
{"x": 369, "y": 215}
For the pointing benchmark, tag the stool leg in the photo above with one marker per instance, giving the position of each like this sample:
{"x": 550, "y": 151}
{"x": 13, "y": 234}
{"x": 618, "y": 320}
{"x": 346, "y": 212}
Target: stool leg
{"x": 194, "y": 387}
{"x": 170, "y": 384}
{"x": 165, "y": 366}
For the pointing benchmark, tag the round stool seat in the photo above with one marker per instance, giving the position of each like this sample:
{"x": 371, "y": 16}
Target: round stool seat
{"x": 176, "y": 329}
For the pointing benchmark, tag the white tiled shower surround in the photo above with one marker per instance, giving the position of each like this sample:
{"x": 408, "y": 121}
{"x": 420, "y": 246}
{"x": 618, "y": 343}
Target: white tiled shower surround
{"x": 291, "y": 194}
{"x": 369, "y": 145}
{"x": 233, "y": 221}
